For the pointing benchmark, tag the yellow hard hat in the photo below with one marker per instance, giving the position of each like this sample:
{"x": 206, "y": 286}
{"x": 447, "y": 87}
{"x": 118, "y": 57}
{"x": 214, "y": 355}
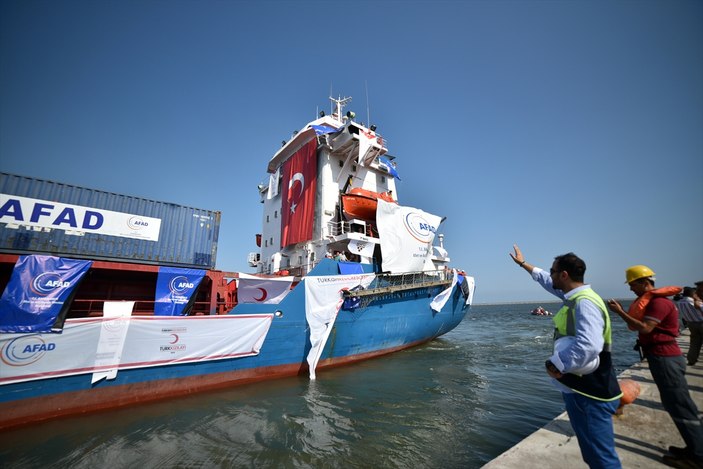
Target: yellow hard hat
{"x": 637, "y": 272}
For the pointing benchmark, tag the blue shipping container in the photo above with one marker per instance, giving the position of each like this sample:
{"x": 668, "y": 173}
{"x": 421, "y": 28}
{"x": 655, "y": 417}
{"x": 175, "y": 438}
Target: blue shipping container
{"x": 46, "y": 217}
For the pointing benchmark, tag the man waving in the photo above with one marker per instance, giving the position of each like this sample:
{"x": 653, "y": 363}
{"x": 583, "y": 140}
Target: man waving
{"x": 581, "y": 364}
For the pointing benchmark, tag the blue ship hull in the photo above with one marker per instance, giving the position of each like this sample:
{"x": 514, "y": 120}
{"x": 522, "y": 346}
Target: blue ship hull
{"x": 135, "y": 331}
{"x": 390, "y": 320}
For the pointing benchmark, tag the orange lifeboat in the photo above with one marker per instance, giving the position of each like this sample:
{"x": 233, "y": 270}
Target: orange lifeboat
{"x": 361, "y": 203}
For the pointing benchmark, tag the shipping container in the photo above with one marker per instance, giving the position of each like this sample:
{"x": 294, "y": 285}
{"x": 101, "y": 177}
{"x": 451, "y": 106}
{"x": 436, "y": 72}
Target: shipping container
{"x": 46, "y": 217}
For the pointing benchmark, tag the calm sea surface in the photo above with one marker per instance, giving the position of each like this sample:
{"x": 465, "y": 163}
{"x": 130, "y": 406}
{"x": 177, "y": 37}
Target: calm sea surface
{"x": 456, "y": 402}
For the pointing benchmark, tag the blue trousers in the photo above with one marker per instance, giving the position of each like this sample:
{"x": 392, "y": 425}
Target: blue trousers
{"x": 592, "y": 422}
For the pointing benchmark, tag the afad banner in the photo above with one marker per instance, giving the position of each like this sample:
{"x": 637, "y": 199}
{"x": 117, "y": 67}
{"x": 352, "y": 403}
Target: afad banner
{"x": 39, "y": 293}
{"x": 105, "y": 346}
{"x": 406, "y": 235}
{"x": 38, "y": 213}
{"x": 175, "y": 290}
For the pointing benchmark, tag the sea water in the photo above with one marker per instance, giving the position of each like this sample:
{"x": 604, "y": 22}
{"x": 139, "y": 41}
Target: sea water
{"x": 456, "y": 402}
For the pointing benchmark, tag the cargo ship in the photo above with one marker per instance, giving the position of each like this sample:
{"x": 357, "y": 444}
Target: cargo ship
{"x": 112, "y": 300}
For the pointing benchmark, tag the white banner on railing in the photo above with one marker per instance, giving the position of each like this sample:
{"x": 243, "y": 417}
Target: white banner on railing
{"x": 112, "y": 336}
{"x": 323, "y": 298}
{"x": 150, "y": 341}
{"x": 442, "y": 297}
{"x": 265, "y": 290}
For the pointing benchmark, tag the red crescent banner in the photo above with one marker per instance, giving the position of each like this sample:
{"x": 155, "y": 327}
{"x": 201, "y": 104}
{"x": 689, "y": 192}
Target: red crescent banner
{"x": 269, "y": 290}
{"x": 298, "y": 196}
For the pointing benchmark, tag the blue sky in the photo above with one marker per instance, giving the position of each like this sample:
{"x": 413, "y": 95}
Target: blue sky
{"x": 558, "y": 125}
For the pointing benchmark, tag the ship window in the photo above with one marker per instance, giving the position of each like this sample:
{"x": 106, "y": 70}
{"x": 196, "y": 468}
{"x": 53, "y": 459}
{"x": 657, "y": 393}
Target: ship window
{"x": 272, "y": 241}
{"x": 341, "y": 163}
{"x": 354, "y": 167}
{"x": 266, "y": 243}
{"x": 275, "y": 214}
{"x": 267, "y": 218}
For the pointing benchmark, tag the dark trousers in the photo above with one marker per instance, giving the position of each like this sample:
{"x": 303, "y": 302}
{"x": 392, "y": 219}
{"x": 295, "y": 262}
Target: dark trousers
{"x": 669, "y": 376}
{"x": 694, "y": 347}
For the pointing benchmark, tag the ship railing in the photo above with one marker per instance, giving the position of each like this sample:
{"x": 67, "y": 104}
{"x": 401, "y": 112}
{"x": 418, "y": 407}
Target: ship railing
{"x": 389, "y": 283}
{"x": 82, "y": 308}
{"x": 335, "y": 228}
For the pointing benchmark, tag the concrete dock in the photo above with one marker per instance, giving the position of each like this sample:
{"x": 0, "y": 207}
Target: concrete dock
{"x": 642, "y": 433}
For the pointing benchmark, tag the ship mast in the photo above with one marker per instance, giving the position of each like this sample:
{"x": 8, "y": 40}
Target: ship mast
{"x": 339, "y": 104}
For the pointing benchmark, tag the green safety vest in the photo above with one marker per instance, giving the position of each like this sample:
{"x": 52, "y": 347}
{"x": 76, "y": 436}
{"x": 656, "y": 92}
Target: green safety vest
{"x": 602, "y": 384}
{"x": 565, "y": 320}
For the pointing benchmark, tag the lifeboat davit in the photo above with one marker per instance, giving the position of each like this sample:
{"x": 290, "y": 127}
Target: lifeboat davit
{"x": 361, "y": 203}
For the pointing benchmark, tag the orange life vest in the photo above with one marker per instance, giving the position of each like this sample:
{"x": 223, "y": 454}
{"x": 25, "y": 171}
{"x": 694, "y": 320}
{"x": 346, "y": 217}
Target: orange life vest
{"x": 640, "y": 304}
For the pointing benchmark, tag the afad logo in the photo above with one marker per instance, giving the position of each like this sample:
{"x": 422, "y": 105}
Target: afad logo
{"x": 180, "y": 285}
{"x": 45, "y": 283}
{"x": 136, "y": 223}
{"x": 24, "y": 351}
{"x": 418, "y": 227}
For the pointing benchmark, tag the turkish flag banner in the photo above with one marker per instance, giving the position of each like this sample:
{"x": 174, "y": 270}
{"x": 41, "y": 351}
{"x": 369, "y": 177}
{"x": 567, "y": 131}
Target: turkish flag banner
{"x": 298, "y": 196}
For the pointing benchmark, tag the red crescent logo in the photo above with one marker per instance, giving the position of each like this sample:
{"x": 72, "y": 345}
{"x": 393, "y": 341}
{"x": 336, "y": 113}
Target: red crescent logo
{"x": 175, "y": 338}
{"x": 264, "y": 294}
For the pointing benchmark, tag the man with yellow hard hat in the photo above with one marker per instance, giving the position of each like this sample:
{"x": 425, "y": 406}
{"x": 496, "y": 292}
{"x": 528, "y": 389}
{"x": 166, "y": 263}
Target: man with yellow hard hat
{"x": 656, "y": 319}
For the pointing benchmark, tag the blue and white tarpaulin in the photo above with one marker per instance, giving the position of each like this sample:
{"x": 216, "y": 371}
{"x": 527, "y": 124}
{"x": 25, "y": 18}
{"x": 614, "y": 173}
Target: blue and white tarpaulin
{"x": 39, "y": 292}
{"x": 323, "y": 129}
{"x": 386, "y": 164}
{"x": 350, "y": 268}
{"x": 175, "y": 289}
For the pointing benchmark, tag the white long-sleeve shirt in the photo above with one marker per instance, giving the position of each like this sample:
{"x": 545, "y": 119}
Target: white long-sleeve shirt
{"x": 589, "y": 325}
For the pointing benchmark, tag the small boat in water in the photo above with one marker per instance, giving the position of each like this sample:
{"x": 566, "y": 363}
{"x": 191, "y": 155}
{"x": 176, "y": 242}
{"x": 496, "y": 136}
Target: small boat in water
{"x": 112, "y": 300}
{"x": 540, "y": 311}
